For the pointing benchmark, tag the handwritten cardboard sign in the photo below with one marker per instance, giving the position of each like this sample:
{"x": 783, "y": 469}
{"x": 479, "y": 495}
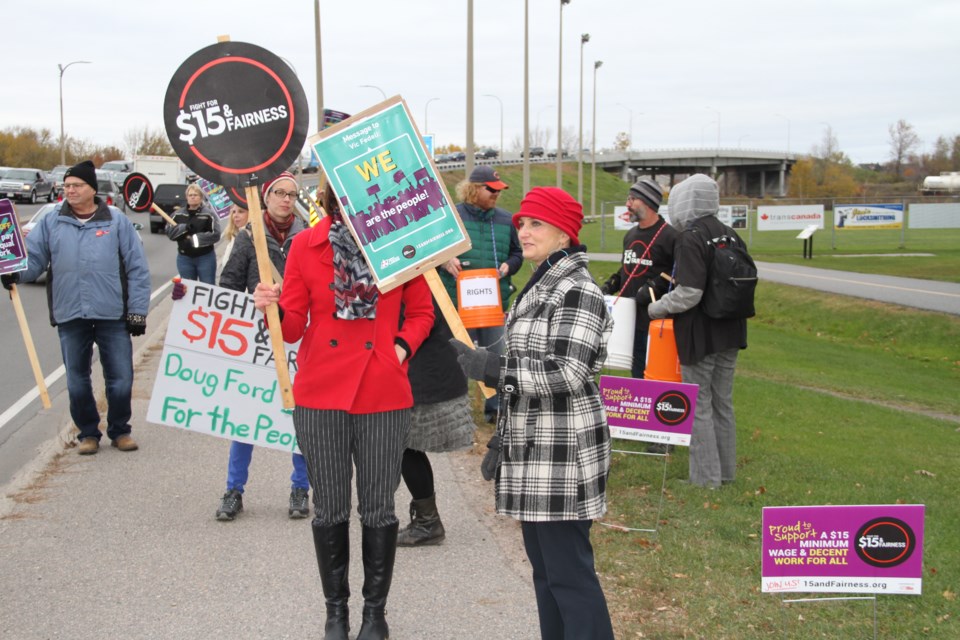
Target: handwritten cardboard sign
{"x": 217, "y": 375}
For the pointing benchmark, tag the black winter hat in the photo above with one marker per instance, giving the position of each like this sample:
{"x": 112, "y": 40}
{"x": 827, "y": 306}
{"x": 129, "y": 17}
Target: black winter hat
{"x": 85, "y": 171}
{"x": 647, "y": 190}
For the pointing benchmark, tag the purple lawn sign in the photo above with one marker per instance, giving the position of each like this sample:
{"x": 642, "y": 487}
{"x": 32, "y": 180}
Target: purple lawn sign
{"x": 649, "y": 410}
{"x": 842, "y": 549}
{"x": 13, "y": 251}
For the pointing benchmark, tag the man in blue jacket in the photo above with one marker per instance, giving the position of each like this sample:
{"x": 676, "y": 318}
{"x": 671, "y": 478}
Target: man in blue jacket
{"x": 98, "y": 288}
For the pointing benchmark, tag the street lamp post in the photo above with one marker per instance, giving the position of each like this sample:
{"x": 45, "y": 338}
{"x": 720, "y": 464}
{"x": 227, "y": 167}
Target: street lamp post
{"x": 490, "y": 95}
{"x": 316, "y": 18}
{"x": 468, "y": 148}
{"x": 63, "y": 155}
{"x": 560, "y": 102}
{"x": 526, "y": 95}
{"x": 593, "y": 153}
{"x": 426, "y": 107}
{"x": 373, "y": 86}
{"x": 584, "y": 39}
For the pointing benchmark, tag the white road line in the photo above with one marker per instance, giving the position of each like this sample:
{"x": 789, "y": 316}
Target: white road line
{"x": 858, "y": 282}
{"x": 58, "y": 373}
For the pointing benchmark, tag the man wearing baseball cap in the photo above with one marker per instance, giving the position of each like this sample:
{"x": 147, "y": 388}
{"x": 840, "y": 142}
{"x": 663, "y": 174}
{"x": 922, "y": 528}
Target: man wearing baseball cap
{"x": 495, "y": 246}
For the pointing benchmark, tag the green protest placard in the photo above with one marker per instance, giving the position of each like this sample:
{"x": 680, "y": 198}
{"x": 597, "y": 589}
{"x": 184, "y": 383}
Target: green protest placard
{"x": 398, "y": 209}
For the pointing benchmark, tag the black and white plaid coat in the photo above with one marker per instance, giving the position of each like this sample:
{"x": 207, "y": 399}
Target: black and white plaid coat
{"x": 554, "y": 434}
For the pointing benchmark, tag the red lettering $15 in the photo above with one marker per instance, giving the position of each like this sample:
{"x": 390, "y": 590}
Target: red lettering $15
{"x": 226, "y": 335}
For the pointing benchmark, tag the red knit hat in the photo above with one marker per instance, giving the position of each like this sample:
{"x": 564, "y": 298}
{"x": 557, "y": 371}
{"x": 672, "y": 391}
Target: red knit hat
{"x": 286, "y": 175}
{"x": 553, "y": 206}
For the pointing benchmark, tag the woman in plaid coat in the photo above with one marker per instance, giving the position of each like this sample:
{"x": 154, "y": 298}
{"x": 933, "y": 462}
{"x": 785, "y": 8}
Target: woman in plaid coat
{"x": 555, "y": 443}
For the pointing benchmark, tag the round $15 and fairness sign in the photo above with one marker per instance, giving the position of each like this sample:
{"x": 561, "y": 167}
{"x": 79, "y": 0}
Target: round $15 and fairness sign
{"x": 236, "y": 114}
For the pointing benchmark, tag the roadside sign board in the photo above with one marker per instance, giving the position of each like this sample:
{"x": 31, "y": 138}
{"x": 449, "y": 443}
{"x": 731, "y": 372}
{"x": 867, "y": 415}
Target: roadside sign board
{"x": 649, "y": 410}
{"x": 397, "y": 207}
{"x": 843, "y": 549}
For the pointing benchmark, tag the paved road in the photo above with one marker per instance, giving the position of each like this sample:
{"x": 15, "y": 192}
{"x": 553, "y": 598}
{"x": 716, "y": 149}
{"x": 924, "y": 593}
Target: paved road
{"x": 909, "y": 292}
{"x": 125, "y": 545}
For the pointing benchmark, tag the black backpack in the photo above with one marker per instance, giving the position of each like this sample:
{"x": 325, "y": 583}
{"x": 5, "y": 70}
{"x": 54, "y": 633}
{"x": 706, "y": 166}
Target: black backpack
{"x": 731, "y": 273}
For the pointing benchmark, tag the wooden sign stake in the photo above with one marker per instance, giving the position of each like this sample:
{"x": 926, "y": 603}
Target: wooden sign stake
{"x": 28, "y": 343}
{"x": 273, "y": 311}
{"x": 453, "y": 318}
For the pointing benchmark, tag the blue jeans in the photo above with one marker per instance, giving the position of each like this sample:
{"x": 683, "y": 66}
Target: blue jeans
{"x": 77, "y": 338}
{"x": 202, "y": 268}
{"x": 492, "y": 339}
{"x": 238, "y": 469}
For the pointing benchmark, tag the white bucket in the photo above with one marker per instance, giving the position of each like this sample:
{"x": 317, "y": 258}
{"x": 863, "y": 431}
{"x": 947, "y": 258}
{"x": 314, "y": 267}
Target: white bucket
{"x": 620, "y": 346}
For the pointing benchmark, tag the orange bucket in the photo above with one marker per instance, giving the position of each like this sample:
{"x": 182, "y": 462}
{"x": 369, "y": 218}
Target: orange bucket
{"x": 662, "y": 360}
{"x": 478, "y": 298}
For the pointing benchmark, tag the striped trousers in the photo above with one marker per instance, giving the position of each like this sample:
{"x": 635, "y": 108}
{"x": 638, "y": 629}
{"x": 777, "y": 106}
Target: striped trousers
{"x": 333, "y": 442}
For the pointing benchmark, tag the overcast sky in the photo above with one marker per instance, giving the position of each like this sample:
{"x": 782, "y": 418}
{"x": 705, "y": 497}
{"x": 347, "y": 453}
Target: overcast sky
{"x": 671, "y": 69}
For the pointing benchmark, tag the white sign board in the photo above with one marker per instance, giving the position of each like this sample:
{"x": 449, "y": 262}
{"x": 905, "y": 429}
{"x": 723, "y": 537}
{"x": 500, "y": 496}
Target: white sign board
{"x": 868, "y": 216}
{"x": 217, "y": 375}
{"x": 786, "y": 218}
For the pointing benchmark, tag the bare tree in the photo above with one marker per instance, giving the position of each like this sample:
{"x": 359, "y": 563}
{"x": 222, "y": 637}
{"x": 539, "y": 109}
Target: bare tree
{"x": 903, "y": 141}
{"x": 146, "y": 142}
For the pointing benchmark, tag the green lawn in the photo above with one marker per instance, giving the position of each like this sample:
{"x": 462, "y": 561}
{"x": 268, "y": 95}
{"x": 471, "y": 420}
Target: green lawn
{"x": 837, "y": 402}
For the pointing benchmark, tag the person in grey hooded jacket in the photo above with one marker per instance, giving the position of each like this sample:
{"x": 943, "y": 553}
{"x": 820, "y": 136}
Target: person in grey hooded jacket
{"x": 707, "y": 347}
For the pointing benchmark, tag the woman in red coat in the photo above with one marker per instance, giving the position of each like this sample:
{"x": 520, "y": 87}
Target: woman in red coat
{"x": 353, "y": 402}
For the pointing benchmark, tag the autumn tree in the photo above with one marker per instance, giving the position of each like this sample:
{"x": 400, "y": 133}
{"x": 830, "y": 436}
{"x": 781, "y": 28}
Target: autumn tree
{"x": 903, "y": 141}
{"x": 621, "y": 142}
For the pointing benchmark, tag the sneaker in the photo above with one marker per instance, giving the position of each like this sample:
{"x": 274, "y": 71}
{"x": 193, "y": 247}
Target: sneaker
{"x": 124, "y": 443}
{"x": 299, "y": 503}
{"x": 230, "y": 505}
{"x": 88, "y": 446}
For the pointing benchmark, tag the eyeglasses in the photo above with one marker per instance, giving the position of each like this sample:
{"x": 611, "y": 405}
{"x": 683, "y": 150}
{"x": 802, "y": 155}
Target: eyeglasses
{"x": 491, "y": 190}
{"x": 280, "y": 193}
{"x": 73, "y": 185}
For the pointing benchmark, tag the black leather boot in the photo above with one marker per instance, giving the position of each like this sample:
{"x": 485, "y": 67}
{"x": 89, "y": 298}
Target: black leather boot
{"x": 332, "y": 545}
{"x": 425, "y": 526}
{"x": 379, "y": 552}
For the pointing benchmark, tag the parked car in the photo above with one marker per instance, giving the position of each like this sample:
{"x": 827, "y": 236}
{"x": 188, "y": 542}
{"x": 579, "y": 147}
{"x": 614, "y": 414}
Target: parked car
{"x": 553, "y": 154}
{"x": 483, "y": 154}
{"x": 118, "y": 170}
{"x": 536, "y": 152}
{"x": 458, "y": 156}
{"x": 56, "y": 175}
{"x": 168, "y": 197}
{"x": 37, "y": 217}
{"x": 444, "y": 157}
{"x": 26, "y": 185}
{"x": 109, "y": 191}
